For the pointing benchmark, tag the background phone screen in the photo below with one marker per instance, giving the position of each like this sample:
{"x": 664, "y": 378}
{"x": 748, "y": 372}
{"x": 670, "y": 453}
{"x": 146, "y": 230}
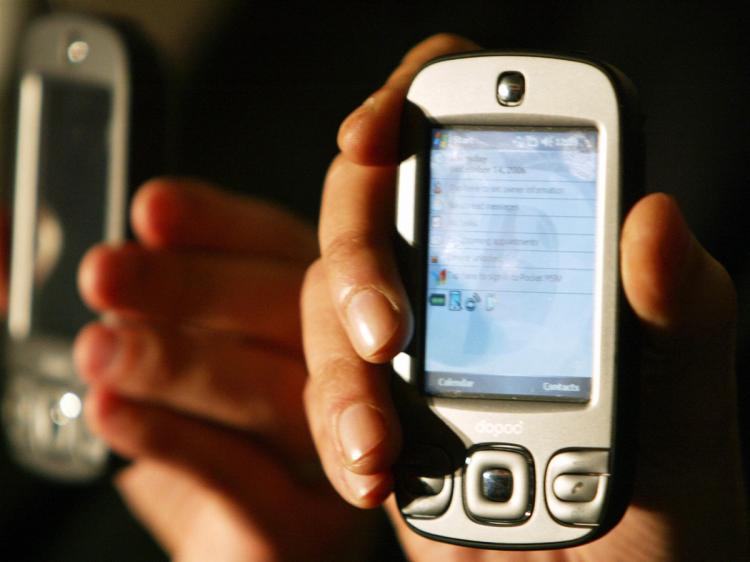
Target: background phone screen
{"x": 73, "y": 170}
{"x": 511, "y": 259}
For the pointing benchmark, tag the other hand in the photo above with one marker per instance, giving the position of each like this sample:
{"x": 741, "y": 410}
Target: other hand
{"x": 196, "y": 374}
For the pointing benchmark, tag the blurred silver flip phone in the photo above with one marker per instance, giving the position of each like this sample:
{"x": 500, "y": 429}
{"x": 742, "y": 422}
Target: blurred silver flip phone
{"x": 516, "y": 171}
{"x": 69, "y": 194}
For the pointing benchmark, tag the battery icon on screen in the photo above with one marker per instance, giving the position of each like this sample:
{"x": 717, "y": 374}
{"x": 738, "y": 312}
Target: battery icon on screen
{"x": 437, "y": 299}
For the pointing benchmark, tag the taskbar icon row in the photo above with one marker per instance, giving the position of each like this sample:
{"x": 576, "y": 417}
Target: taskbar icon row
{"x": 463, "y": 300}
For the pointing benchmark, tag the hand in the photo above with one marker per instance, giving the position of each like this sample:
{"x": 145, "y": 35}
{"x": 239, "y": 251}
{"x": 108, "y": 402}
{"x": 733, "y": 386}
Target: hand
{"x": 688, "y": 502}
{"x": 197, "y": 374}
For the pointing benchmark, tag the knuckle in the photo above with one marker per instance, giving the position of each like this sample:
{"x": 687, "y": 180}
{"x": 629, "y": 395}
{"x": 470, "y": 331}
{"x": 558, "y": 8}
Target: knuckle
{"x": 338, "y": 164}
{"x": 145, "y": 432}
{"x": 313, "y": 404}
{"x": 347, "y": 247}
{"x": 329, "y": 385}
{"x": 309, "y": 397}
{"x": 314, "y": 274}
{"x": 438, "y": 44}
{"x": 148, "y": 361}
{"x": 312, "y": 283}
{"x": 449, "y": 41}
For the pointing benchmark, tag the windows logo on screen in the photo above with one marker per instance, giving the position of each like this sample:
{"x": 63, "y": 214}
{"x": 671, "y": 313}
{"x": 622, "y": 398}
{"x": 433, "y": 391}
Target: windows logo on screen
{"x": 439, "y": 139}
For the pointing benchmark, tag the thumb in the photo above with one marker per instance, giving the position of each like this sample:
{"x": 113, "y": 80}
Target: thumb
{"x": 676, "y": 288}
{"x": 686, "y": 304}
{"x": 689, "y": 447}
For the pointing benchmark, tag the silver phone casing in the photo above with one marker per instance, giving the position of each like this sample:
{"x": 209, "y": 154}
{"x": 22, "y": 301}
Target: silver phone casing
{"x": 559, "y": 93}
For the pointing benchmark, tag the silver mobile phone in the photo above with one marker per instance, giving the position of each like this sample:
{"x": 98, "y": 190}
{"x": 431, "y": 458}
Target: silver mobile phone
{"x": 69, "y": 194}
{"x": 516, "y": 170}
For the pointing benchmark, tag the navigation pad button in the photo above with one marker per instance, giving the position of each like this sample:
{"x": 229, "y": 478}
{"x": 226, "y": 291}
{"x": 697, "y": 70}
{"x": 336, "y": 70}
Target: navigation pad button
{"x": 498, "y": 485}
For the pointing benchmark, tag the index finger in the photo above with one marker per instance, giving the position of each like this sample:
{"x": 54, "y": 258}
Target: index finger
{"x": 357, "y": 214}
{"x": 370, "y": 134}
{"x": 178, "y": 213}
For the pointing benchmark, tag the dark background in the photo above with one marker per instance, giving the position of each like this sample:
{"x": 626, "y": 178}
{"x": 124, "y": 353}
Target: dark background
{"x": 260, "y": 110}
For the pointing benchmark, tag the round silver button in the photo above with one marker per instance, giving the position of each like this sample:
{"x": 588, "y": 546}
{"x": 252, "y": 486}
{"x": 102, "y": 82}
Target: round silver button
{"x": 511, "y": 87}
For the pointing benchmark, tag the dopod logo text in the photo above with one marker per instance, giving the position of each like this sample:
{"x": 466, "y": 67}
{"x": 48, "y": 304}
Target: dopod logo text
{"x": 496, "y": 429}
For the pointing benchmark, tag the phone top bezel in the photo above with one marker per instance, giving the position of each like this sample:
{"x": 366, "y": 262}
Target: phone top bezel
{"x": 44, "y": 51}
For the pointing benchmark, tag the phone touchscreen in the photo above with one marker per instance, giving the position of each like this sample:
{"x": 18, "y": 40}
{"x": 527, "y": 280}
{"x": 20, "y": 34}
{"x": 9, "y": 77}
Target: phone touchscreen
{"x": 511, "y": 262}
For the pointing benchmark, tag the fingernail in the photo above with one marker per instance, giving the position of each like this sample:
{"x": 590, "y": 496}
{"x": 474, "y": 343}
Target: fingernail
{"x": 110, "y": 276}
{"x": 361, "y": 428}
{"x": 361, "y": 485}
{"x": 373, "y": 321}
{"x": 100, "y": 349}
